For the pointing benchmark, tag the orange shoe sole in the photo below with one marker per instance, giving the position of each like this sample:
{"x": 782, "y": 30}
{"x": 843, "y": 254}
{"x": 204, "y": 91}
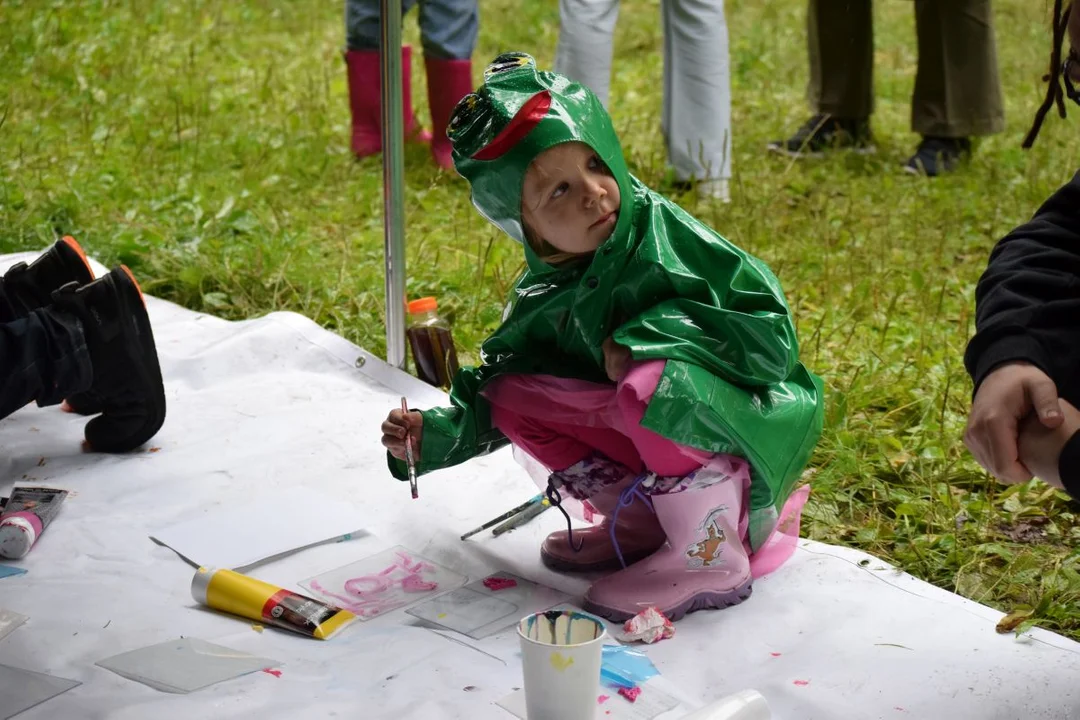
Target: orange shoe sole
{"x": 75, "y": 246}
{"x": 134, "y": 282}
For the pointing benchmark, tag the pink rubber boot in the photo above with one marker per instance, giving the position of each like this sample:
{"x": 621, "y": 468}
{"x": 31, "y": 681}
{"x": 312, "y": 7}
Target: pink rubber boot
{"x": 703, "y": 565}
{"x": 636, "y": 530}
{"x": 365, "y": 101}
{"x": 448, "y": 82}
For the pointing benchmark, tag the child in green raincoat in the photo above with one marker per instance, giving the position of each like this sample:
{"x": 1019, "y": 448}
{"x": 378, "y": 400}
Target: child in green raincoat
{"x": 648, "y": 363}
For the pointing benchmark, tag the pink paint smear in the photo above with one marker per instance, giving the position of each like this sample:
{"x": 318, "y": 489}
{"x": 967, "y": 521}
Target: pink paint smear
{"x": 495, "y": 583}
{"x": 801, "y": 683}
{"x": 602, "y": 699}
{"x": 630, "y": 694}
{"x": 275, "y": 673}
{"x": 370, "y": 595}
{"x": 775, "y": 654}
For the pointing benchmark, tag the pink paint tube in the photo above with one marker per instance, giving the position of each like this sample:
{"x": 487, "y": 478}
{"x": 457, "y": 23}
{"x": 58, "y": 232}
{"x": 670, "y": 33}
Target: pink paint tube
{"x": 27, "y": 513}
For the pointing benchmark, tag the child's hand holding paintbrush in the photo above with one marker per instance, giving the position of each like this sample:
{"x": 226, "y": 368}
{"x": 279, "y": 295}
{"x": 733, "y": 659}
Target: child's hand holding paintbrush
{"x": 400, "y": 427}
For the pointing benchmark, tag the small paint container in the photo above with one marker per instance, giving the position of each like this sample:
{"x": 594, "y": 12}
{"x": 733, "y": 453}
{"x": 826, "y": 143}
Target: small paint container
{"x": 561, "y": 652}
{"x": 26, "y": 515}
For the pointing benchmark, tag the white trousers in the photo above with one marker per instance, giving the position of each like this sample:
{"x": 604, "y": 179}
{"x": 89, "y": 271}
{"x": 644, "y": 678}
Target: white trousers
{"x": 696, "y": 120}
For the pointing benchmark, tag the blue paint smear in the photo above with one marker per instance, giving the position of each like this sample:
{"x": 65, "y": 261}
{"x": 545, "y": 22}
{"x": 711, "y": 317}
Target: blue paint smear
{"x": 8, "y": 570}
{"x": 624, "y": 666}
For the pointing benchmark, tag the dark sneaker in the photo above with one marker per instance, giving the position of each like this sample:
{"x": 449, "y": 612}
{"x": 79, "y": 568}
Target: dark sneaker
{"x": 127, "y": 387}
{"x": 29, "y": 287}
{"x": 937, "y": 155}
{"x": 822, "y": 133}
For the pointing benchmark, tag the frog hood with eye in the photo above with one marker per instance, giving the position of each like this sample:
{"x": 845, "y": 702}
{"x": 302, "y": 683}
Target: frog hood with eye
{"x": 514, "y": 116}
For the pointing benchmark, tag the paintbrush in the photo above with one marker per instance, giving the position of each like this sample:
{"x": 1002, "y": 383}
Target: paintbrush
{"x": 410, "y": 460}
{"x": 506, "y": 515}
{"x": 516, "y": 522}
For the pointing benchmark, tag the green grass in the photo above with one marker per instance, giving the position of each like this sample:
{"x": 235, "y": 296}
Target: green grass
{"x": 204, "y": 143}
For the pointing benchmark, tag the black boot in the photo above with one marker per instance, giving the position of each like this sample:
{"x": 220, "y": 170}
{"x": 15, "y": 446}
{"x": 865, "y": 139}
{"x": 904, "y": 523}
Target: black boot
{"x": 29, "y": 287}
{"x": 127, "y": 389}
{"x": 823, "y": 133}
{"x": 938, "y": 155}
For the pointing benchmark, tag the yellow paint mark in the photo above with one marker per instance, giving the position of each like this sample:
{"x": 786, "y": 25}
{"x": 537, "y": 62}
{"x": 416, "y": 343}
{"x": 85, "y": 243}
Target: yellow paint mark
{"x": 257, "y": 628}
{"x": 560, "y": 662}
{"x": 440, "y": 616}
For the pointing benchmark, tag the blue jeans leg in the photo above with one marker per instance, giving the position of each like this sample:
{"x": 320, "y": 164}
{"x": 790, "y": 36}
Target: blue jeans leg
{"x": 448, "y": 28}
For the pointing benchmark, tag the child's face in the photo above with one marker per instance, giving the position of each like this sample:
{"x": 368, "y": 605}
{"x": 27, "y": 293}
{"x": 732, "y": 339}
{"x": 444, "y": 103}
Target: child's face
{"x": 570, "y": 199}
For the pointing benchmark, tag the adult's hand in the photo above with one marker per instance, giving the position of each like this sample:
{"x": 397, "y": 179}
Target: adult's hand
{"x": 1007, "y": 396}
{"x": 1040, "y": 447}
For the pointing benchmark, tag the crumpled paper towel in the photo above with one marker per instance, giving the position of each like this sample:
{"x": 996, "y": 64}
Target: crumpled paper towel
{"x": 649, "y": 626}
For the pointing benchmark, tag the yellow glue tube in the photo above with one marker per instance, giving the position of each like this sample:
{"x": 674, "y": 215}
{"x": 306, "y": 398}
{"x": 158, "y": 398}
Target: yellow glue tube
{"x": 247, "y": 597}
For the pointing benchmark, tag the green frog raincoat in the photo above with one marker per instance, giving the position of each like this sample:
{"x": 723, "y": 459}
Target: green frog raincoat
{"x": 664, "y": 285}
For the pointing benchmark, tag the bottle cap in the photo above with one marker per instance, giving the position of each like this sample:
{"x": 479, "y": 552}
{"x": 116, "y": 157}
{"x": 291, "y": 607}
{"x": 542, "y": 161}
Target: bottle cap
{"x": 423, "y": 305}
{"x": 201, "y": 583}
{"x": 17, "y": 536}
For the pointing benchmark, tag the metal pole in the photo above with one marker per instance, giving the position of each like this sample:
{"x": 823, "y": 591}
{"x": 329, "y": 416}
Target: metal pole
{"x": 393, "y": 142}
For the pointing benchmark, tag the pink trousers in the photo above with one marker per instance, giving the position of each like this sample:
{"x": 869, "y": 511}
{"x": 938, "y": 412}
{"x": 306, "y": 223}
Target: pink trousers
{"x": 560, "y": 421}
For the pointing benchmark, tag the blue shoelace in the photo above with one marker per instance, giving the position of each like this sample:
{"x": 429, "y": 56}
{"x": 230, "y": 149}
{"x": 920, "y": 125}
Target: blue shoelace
{"x": 626, "y": 499}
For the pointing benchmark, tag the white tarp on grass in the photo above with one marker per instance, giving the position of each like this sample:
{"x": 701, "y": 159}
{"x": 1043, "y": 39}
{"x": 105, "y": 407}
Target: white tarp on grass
{"x": 274, "y": 403}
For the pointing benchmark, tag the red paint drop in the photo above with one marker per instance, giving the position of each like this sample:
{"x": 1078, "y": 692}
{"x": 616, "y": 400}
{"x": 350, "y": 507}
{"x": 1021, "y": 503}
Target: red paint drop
{"x": 802, "y": 683}
{"x": 275, "y": 673}
{"x": 495, "y": 583}
{"x": 775, "y": 654}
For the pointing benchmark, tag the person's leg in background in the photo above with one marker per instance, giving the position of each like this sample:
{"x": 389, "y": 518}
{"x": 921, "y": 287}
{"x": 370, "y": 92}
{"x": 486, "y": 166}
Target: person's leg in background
{"x": 696, "y": 119}
{"x": 957, "y": 89}
{"x": 448, "y": 30}
{"x": 586, "y": 41}
{"x": 362, "y": 35}
{"x": 840, "y": 41}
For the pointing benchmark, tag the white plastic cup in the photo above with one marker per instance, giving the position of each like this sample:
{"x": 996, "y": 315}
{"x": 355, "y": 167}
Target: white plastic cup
{"x": 561, "y": 652}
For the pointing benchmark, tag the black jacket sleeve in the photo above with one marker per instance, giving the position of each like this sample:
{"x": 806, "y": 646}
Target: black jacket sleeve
{"x": 1028, "y": 300}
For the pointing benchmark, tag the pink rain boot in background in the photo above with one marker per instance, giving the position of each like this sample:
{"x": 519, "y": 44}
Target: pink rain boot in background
{"x": 703, "y": 565}
{"x": 448, "y": 81}
{"x": 637, "y": 531}
{"x": 365, "y": 101}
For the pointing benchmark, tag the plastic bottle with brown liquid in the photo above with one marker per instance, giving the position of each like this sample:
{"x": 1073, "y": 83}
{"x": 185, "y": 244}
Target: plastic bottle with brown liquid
{"x": 431, "y": 343}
